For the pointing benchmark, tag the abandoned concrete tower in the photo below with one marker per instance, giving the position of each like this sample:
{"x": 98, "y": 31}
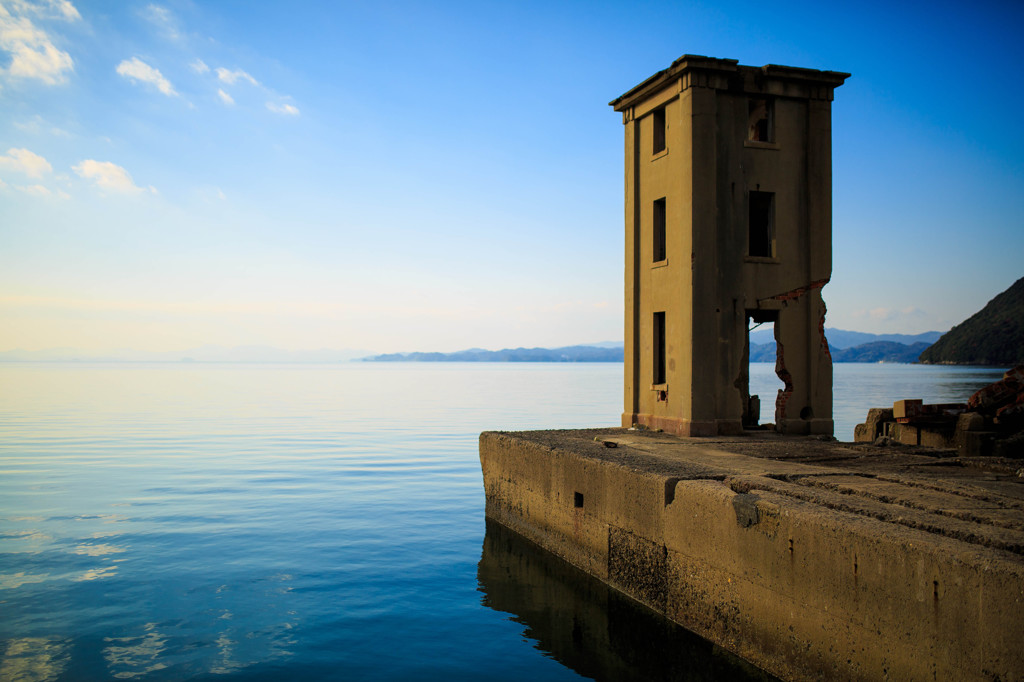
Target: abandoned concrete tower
{"x": 728, "y": 222}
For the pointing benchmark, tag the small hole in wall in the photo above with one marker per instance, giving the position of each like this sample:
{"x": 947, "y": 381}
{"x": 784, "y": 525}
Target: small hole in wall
{"x": 577, "y": 500}
{"x": 935, "y": 589}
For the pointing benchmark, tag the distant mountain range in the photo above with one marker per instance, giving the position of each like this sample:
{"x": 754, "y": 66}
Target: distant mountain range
{"x": 876, "y": 351}
{"x": 846, "y": 346}
{"x": 992, "y": 336}
{"x": 841, "y": 338}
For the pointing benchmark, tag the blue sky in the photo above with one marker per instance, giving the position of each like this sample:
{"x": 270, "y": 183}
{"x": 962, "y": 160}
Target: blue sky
{"x": 438, "y": 176}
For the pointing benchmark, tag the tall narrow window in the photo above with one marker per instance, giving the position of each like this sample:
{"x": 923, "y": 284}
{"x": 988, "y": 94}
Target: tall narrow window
{"x": 761, "y": 224}
{"x": 658, "y": 123}
{"x": 760, "y": 120}
{"x": 659, "y": 230}
{"x": 659, "y": 348}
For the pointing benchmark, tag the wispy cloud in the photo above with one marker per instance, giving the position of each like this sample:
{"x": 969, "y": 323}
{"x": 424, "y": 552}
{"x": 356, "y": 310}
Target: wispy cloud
{"x": 209, "y": 193}
{"x": 37, "y": 190}
{"x": 61, "y": 9}
{"x": 158, "y": 14}
{"x": 162, "y": 18}
{"x": 34, "y": 190}
{"x": 37, "y": 125}
{"x": 25, "y": 161}
{"x": 135, "y": 69}
{"x": 108, "y": 176}
{"x": 66, "y": 8}
{"x": 230, "y": 77}
{"x": 887, "y": 314}
{"x": 283, "y": 108}
{"x": 32, "y": 52}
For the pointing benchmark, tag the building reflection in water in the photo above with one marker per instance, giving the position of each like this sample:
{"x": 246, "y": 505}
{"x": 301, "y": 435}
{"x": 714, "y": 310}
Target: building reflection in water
{"x": 589, "y": 627}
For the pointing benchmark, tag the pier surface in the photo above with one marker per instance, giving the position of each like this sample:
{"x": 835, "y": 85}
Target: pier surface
{"x": 810, "y": 558}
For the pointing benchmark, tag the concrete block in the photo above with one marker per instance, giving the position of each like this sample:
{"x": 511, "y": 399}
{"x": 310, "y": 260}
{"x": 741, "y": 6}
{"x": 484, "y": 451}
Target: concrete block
{"x": 970, "y": 421}
{"x": 974, "y": 443}
{"x": 873, "y": 426}
{"x": 936, "y": 437}
{"x": 864, "y": 433}
{"x": 906, "y": 409}
{"x": 905, "y": 434}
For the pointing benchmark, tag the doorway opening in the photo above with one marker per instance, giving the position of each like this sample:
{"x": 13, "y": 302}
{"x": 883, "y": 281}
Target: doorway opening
{"x": 758, "y": 382}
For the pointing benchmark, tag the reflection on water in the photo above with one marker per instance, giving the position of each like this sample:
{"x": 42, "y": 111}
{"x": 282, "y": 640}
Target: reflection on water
{"x": 168, "y": 522}
{"x": 589, "y": 627}
{"x": 13, "y": 581}
{"x": 34, "y": 659}
{"x": 129, "y": 657}
{"x": 253, "y": 522}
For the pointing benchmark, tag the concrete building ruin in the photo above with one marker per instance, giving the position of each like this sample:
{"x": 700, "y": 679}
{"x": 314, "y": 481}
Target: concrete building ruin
{"x": 809, "y": 559}
{"x": 728, "y": 222}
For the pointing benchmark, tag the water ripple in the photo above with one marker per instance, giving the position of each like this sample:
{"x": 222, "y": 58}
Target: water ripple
{"x": 267, "y": 522}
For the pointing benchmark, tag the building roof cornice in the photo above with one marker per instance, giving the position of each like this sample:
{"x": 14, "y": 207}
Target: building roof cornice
{"x": 772, "y": 79}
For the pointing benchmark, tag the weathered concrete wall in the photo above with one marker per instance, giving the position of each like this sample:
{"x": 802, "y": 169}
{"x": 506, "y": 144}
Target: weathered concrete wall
{"x": 829, "y": 584}
{"x": 586, "y": 625}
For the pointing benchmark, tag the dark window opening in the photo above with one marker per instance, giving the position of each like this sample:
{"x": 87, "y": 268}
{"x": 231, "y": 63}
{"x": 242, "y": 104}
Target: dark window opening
{"x": 577, "y": 500}
{"x": 760, "y": 126}
{"x": 659, "y": 230}
{"x": 761, "y": 224}
{"x": 659, "y": 348}
{"x": 658, "y": 122}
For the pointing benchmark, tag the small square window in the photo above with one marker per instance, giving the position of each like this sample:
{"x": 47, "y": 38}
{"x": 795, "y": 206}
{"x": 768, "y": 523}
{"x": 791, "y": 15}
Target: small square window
{"x": 659, "y": 230}
{"x": 760, "y": 120}
{"x": 761, "y": 224}
{"x": 658, "y": 124}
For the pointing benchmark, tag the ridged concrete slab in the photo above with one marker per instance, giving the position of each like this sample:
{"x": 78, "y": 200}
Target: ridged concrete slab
{"x": 811, "y": 558}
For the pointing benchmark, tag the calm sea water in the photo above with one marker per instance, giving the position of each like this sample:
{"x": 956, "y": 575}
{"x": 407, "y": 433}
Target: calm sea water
{"x": 250, "y": 522}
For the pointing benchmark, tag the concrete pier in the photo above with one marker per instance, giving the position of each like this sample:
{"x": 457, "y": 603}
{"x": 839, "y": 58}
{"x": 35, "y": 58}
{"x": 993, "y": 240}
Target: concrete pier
{"x": 591, "y": 628}
{"x": 811, "y": 559}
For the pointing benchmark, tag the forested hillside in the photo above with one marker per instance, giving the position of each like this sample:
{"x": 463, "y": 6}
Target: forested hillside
{"x": 992, "y": 336}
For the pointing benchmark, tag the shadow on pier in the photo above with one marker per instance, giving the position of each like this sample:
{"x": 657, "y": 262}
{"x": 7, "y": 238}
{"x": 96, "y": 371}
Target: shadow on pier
{"x": 589, "y": 627}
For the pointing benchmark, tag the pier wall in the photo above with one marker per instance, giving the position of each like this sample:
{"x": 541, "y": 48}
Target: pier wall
{"x": 791, "y": 582}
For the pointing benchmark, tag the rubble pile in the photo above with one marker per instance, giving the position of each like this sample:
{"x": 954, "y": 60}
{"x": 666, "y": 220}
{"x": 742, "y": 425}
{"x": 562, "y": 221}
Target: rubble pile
{"x": 990, "y": 423}
{"x": 1002, "y": 401}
